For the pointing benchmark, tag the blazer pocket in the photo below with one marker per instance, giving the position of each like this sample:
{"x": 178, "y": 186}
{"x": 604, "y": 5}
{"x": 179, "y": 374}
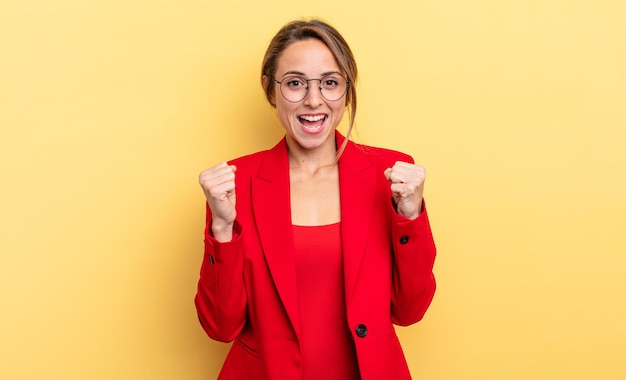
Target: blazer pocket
{"x": 242, "y": 363}
{"x": 247, "y": 349}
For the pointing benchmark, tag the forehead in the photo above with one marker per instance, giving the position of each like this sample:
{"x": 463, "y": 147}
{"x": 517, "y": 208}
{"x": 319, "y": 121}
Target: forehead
{"x": 309, "y": 57}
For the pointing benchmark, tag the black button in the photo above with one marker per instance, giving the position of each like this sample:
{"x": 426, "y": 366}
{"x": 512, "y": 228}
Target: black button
{"x": 211, "y": 260}
{"x": 361, "y": 330}
{"x": 404, "y": 239}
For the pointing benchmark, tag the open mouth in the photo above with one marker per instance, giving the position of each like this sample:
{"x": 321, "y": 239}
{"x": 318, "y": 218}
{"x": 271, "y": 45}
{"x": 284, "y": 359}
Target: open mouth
{"x": 312, "y": 123}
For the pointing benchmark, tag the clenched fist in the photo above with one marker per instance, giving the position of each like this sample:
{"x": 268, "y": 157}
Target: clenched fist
{"x": 407, "y": 187}
{"x": 218, "y": 183}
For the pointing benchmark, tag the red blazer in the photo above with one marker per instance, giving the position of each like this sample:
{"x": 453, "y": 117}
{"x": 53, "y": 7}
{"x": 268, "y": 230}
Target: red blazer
{"x": 247, "y": 287}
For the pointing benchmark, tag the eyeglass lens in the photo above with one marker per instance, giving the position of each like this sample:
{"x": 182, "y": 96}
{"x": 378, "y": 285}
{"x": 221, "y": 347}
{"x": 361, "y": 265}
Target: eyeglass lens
{"x": 295, "y": 88}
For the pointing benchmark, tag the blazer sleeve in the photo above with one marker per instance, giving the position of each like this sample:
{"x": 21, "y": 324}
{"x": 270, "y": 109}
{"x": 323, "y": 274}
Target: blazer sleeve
{"x": 413, "y": 257}
{"x": 221, "y": 296}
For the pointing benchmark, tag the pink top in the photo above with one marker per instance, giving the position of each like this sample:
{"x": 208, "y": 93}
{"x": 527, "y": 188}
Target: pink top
{"x": 328, "y": 351}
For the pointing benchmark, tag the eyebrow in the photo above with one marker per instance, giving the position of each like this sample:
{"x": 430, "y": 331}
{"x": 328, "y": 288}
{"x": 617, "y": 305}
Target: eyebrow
{"x": 293, "y": 72}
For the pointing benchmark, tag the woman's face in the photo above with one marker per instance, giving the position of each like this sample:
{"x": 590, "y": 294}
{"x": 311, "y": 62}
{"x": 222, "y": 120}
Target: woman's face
{"x": 310, "y": 123}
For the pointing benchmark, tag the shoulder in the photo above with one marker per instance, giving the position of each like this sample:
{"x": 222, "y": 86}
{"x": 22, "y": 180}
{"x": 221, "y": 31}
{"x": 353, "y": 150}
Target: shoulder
{"x": 379, "y": 156}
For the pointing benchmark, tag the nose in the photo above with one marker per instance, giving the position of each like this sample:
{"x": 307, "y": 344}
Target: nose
{"x": 314, "y": 96}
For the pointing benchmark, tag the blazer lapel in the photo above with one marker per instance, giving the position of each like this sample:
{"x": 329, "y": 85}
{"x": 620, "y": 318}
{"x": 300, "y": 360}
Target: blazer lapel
{"x": 272, "y": 213}
{"x": 357, "y": 177}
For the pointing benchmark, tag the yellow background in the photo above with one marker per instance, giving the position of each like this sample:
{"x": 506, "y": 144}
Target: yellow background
{"x": 110, "y": 109}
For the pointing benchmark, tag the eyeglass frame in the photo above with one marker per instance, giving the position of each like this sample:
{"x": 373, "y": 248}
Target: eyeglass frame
{"x": 280, "y": 87}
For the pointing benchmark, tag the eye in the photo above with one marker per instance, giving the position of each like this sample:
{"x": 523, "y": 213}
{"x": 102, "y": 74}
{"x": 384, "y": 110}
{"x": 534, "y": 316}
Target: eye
{"x": 294, "y": 82}
{"x": 330, "y": 82}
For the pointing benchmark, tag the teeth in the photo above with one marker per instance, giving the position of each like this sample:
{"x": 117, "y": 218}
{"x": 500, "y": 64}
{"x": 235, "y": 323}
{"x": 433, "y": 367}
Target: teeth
{"x": 312, "y": 118}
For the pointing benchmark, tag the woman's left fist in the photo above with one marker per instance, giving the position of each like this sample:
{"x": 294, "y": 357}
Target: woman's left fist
{"x": 407, "y": 187}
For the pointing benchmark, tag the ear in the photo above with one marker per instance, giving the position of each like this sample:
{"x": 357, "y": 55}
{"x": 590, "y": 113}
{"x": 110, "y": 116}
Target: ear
{"x": 265, "y": 82}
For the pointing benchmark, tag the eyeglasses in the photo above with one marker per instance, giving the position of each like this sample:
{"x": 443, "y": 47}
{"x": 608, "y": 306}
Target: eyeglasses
{"x": 295, "y": 88}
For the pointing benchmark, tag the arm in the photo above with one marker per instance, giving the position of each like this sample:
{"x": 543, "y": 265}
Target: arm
{"x": 413, "y": 247}
{"x": 221, "y": 297}
{"x": 413, "y": 257}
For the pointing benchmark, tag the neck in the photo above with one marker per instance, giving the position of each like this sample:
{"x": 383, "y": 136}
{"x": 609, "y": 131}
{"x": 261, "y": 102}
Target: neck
{"x": 312, "y": 160}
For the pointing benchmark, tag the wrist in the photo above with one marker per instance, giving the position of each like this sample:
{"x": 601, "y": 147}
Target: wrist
{"x": 222, "y": 231}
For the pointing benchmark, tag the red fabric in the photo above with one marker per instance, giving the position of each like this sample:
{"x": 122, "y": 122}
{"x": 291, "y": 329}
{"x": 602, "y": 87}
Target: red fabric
{"x": 328, "y": 351}
{"x": 247, "y": 292}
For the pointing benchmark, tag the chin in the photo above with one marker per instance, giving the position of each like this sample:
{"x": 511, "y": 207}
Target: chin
{"x": 314, "y": 141}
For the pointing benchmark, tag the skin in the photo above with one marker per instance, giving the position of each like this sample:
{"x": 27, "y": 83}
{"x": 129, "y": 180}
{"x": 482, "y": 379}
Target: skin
{"x": 308, "y": 141}
{"x": 314, "y": 177}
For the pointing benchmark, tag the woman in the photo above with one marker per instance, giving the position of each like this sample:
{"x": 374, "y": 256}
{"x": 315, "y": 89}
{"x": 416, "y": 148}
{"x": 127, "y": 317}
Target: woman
{"x": 314, "y": 248}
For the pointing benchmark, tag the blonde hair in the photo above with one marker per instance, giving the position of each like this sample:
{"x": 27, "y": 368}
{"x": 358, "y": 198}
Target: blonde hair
{"x": 299, "y": 30}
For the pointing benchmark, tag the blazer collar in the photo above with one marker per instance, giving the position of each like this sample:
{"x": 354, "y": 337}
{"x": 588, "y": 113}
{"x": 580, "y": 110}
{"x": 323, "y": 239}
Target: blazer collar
{"x": 357, "y": 179}
{"x": 271, "y": 206}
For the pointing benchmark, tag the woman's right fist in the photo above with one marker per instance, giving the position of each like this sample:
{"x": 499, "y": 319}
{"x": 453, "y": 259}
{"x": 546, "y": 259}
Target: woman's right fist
{"x": 218, "y": 184}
